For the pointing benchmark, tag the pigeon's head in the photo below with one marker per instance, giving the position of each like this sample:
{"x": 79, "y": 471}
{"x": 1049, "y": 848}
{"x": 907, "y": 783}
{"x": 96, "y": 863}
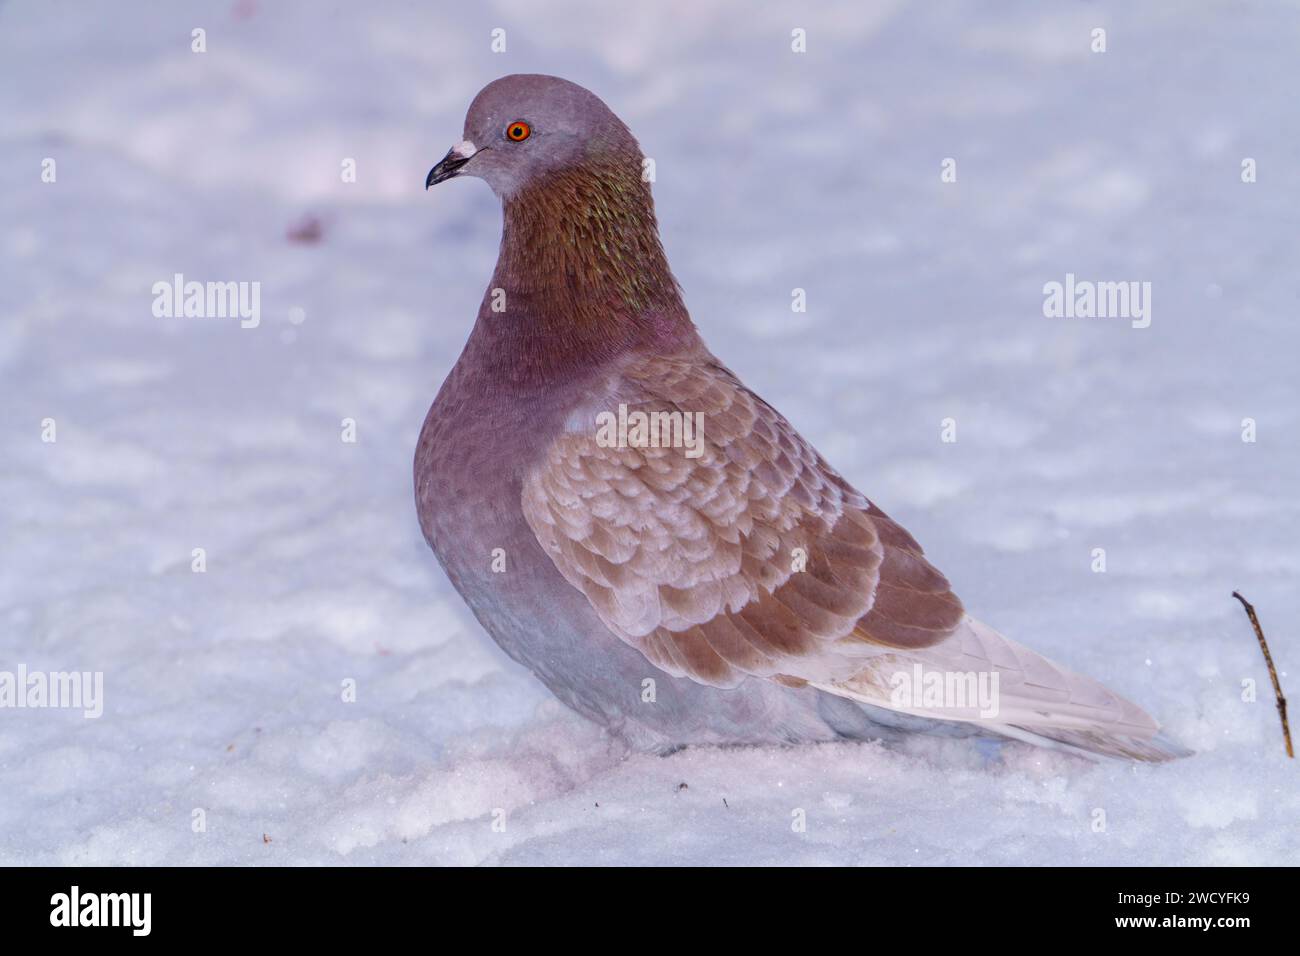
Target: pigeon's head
{"x": 524, "y": 126}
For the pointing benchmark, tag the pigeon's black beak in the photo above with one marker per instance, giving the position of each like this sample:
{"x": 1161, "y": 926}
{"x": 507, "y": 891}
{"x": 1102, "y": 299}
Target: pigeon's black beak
{"x": 447, "y": 167}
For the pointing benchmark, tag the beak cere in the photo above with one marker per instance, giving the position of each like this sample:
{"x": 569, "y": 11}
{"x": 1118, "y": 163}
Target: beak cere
{"x": 450, "y": 165}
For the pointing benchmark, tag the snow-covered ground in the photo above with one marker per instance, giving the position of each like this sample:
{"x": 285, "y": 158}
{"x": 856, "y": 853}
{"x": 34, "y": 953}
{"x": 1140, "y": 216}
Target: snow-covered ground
{"x": 224, "y": 690}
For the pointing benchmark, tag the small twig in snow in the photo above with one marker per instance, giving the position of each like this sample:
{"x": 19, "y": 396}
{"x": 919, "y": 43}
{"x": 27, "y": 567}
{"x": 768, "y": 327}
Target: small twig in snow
{"x": 1272, "y": 672}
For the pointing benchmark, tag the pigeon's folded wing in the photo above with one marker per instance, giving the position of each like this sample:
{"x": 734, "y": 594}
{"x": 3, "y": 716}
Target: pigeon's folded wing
{"x": 737, "y": 551}
{"x": 745, "y": 555}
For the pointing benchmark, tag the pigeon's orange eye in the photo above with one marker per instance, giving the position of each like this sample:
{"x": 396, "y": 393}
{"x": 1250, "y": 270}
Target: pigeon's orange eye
{"x": 518, "y": 131}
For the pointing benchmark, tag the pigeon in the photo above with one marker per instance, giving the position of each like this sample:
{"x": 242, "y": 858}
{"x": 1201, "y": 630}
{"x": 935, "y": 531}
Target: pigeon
{"x": 648, "y": 536}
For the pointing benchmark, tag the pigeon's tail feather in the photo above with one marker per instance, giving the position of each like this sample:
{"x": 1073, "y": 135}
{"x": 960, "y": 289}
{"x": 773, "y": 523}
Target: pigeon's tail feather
{"x": 1093, "y": 744}
{"x": 979, "y": 677}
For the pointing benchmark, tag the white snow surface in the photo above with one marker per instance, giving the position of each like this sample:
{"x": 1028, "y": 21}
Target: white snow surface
{"x": 223, "y": 690}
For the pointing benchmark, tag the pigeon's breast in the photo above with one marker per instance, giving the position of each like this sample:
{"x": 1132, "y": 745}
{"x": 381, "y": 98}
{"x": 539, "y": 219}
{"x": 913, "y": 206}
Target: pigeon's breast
{"x": 481, "y": 437}
{"x": 473, "y": 449}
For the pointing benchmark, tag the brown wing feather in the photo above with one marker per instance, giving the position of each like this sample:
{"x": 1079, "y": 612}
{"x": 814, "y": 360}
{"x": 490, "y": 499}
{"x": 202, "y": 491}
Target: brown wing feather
{"x": 696, "y": 561}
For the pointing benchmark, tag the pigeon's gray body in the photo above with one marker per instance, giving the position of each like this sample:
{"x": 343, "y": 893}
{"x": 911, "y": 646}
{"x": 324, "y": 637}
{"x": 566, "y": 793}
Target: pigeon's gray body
{"x": 731, "y": 590}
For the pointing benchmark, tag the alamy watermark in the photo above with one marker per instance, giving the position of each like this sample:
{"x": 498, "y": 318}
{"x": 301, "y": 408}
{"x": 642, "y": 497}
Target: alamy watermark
{"x": 659, "y": 429}
{"x": 130, "y": 910}
{"x": 945, "y": 690}
{"x": 1085, "y": 299}
{"x": 72, "y": 690}
{"x": 208, "y": 300}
